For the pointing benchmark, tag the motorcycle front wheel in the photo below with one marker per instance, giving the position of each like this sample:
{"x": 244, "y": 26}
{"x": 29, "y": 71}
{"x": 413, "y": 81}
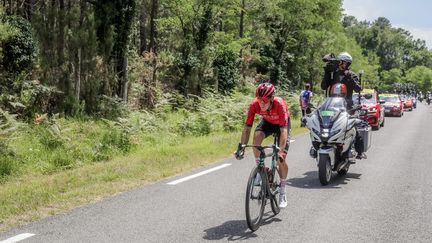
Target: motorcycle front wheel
{"x": 324, "y": 169}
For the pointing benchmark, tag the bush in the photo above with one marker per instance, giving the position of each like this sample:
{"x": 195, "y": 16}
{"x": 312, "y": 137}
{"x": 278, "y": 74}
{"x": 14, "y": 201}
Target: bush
{"x": 226, "y": 65}
{"x": 193, "y": 124}
{"x": 111, "y": 107}
{"x": 119, "y": 134}
{"x": 38, "y": 98}
{"x": 19, "y": 50}
{"x": 73, "y": 107}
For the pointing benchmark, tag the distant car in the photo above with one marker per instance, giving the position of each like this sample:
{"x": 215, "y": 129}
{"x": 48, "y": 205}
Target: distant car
{"x": 408, "y": 102}
{"x": 370, "y": 102}
{"x": 393, "y": 105}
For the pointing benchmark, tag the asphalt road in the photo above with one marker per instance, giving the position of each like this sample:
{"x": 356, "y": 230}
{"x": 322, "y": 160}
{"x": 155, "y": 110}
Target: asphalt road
{"x": 385, "y": 198}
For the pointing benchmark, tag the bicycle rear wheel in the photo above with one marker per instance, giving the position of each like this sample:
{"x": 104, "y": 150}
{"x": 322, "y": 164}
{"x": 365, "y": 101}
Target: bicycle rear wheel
{"x": 274, "y": 192}
{"x": 255, "y": 199}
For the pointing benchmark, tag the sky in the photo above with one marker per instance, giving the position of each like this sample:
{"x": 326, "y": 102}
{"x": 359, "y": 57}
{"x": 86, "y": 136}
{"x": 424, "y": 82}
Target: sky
{"x": 412, "y": 15}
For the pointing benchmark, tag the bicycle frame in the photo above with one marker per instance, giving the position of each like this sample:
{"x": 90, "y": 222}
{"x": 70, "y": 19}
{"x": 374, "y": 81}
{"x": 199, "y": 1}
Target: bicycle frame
{"x": 263, "y": 155}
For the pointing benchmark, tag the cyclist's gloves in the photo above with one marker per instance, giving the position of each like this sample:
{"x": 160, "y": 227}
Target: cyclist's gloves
{"x": 240, "y": 152}
{"x": 282, "y": 156}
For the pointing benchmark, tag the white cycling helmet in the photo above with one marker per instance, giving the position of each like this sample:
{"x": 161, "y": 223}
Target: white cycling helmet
{"x": 345, "y": 56}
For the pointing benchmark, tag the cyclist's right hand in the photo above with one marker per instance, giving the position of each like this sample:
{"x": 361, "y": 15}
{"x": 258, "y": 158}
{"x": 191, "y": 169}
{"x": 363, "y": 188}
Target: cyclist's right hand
{"x": 239, "y": 154}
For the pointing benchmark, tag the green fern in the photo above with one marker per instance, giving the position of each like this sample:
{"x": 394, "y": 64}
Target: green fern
{"x": 8, "y": 125}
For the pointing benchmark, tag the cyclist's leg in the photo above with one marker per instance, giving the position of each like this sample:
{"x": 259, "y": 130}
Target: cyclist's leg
{"x": 283, "y": 169}
{"x": 259, "y": 136}
{"x": 283, "y": 165}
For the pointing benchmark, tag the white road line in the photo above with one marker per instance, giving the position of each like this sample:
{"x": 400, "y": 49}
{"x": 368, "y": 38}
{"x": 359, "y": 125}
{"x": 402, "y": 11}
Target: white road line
{"x": 197, "y": 174}
{"x": 17, "y": 238}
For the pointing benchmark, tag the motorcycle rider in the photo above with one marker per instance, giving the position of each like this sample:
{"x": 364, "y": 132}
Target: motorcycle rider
{"x": 343, "y": 75}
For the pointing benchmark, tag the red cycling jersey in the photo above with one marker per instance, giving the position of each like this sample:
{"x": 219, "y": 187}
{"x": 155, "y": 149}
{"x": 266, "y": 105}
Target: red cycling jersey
{"x": 278, "y": 113}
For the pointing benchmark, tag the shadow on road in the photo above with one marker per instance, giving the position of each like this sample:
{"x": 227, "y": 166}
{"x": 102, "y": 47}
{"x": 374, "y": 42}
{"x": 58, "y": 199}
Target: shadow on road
{"x": 237, "y": 229}
{"x": 310, "y": 180}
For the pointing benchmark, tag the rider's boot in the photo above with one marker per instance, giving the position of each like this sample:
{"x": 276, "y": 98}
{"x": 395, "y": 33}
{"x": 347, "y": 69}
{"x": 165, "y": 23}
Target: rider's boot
{"x": 313, "y": 153}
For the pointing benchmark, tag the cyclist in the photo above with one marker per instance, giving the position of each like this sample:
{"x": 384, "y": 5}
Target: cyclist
{"x": 275, "y": 119}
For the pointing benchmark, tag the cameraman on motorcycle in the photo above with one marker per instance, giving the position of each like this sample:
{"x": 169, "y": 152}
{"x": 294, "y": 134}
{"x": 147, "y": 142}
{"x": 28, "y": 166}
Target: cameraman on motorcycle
{"x": 341, "y": 75}
{"x": 337, "y": 71}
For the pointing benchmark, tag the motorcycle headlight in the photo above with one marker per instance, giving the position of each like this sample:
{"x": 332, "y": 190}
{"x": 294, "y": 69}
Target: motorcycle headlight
{"x": 372, "y": 110}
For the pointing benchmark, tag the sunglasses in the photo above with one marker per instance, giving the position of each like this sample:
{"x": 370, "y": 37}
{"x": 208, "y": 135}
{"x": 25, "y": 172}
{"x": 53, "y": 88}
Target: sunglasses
{"x": 263, "y": 100}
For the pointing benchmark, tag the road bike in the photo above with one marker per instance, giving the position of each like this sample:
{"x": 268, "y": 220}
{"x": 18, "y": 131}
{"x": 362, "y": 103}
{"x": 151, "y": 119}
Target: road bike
{"x": 267, "y": 188}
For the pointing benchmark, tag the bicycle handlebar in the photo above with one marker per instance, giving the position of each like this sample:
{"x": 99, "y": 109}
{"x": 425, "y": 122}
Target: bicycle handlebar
{"x": 275, "y": 148}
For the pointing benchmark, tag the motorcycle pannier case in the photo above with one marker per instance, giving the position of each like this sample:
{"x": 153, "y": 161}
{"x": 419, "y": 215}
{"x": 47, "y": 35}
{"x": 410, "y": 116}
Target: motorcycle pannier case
{"x": 366, "y": 134}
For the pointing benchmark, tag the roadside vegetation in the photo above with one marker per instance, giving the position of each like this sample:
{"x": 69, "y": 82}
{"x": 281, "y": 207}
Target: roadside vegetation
{"x": 56, "y": 163}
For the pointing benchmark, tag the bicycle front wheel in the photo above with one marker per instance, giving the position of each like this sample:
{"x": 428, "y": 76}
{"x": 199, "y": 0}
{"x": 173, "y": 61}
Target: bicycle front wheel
{"x": 274, "y": 190}
{"x": 255, "y": 199}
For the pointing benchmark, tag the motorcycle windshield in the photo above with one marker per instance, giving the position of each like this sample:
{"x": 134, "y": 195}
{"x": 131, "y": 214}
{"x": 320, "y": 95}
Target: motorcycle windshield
{"x": 330, "y": 109}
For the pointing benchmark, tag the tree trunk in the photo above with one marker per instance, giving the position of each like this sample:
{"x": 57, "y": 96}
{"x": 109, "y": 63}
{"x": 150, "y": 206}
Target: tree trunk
{"x": 78, "y": 76}
{"x": 153, "y": 30}
{"x": 9, "y": 8}
{"x": 242, "y": 12}
{"x": 142, "y": 30}
{"x": 61, "y": 47}
{"x": 28, "y": 9}
{"x": 125, "y": 79}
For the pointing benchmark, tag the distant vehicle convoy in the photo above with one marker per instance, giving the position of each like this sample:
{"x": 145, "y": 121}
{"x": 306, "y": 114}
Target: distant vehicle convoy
{"x": 407, "y": 101}
{"x": 393, "y": 105}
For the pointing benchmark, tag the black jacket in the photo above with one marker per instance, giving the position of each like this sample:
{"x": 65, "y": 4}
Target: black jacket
{"x": 348, "y": 77}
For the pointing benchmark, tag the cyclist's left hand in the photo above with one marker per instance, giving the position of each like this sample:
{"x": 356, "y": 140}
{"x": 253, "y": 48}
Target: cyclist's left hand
{"x": 282, "y": 156}
{"x": 239, "y": 154}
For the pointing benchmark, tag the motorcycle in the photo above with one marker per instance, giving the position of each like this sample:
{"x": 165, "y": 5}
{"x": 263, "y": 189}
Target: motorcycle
{"x": 333, "y": 132}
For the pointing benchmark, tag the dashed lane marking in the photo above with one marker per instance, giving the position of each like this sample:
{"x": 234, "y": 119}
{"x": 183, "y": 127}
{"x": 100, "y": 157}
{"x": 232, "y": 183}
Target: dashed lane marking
{"x": 197, "y": 174}
{"x": 17, "y": 238}
{"x": 202, "y": 173}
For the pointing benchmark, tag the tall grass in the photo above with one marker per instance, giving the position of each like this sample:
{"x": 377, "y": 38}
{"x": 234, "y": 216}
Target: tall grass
{"x": 58, "y": 144}
{"x": 8, "y": 125}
